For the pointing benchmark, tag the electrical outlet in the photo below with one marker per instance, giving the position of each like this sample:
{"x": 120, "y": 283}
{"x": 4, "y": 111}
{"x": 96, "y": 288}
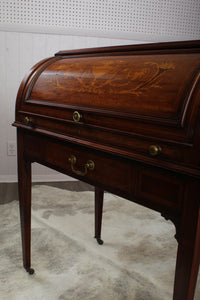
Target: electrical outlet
{"x": 11, "y": 148}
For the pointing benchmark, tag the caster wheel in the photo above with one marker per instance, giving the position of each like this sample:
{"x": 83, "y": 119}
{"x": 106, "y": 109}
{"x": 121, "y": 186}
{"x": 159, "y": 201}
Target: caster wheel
{"x": 99, "y": 241}
{"x": 30, "y": 271}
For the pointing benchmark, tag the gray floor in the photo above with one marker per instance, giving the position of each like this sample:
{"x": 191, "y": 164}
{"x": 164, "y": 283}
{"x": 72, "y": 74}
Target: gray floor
{"x": 9, "y": 191}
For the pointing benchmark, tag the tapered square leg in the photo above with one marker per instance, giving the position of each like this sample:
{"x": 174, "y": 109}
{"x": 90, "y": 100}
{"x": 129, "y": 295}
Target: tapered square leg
{"x": 188, "y": 255}
{"x": 24, "y": 188}
{"x": 98, "y": 213}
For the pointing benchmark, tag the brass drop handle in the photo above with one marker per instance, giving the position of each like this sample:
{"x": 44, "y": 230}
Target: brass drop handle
{"x": 88, "y": 166}
{"x": 154, "y": 150}
{"x": 76, "y": 116}
{"x": 28, "y": 120}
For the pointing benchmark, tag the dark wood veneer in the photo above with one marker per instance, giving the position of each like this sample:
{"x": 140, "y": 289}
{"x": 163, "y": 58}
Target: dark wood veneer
{"x": 137, "y": 135}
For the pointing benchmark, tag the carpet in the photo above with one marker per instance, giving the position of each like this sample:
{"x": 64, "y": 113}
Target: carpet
{"x": 136, "y": 261}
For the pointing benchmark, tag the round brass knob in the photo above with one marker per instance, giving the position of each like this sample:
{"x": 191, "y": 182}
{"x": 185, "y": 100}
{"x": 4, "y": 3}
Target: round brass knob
{"x": 76, "y": 116}
{"x": 90, "y": 165}
{"x": 154, "y": 150}
{"x": 28, "y": 120}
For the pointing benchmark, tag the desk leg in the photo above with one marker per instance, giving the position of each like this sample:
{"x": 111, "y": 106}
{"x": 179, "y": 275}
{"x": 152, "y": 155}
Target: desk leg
{"x": 24, "y": 188}
{"x": 98, "y": 214}
{"x": 188, "y": 256}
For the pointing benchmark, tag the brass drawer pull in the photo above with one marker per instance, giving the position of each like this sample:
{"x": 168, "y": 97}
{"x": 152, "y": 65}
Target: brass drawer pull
{"x": 88, "y": 166}
{"x": 28, "y": 121}
{"x": 154, "y": 150}
{"x": 76, "y": 116}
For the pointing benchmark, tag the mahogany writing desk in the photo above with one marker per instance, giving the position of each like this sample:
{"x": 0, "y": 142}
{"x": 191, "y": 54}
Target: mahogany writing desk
{"x": 127, "y": 120}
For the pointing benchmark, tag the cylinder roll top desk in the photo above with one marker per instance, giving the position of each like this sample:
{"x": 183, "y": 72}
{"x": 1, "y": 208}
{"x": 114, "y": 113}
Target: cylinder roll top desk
{"x": 125, "y": 119}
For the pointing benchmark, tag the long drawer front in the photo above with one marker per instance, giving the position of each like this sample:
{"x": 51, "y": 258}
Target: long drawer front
{"x": 150, "y": 186}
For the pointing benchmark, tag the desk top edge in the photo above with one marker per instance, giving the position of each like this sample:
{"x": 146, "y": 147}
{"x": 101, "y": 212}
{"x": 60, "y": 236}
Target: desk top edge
{"x": 190, "y": 44}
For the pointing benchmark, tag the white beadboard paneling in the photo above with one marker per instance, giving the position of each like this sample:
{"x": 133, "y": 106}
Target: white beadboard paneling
{"x": 10, "y": 82}
{"x": 39, "y": 47}
{"x": 77, "y": 42}
{"x": 2, "y": 69}
{"x": 25, "y": 53}
{"x": 3, "y": 102}
{"x": 52, "y": 44}
{"x": 12, "y": 69}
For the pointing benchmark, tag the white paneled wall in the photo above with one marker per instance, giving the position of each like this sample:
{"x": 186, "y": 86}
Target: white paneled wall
{"x": 18, "y": 53}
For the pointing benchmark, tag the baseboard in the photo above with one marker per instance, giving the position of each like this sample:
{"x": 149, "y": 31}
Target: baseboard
{"x": 9, "y": 190}
{"x": 38, "y": 178}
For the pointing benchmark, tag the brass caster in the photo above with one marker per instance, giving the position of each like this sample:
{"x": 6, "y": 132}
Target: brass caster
{"x": 99, "y": 240}
{"x": 30, "y": 271}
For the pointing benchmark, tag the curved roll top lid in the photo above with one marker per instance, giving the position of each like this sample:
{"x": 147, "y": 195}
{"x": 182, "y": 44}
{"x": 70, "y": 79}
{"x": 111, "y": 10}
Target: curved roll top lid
{"x": 148, "y": 85}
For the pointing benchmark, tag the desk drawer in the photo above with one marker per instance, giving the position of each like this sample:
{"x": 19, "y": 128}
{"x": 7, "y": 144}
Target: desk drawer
{"x": 155, "y": 187}
{"x": 83, "y": 163}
